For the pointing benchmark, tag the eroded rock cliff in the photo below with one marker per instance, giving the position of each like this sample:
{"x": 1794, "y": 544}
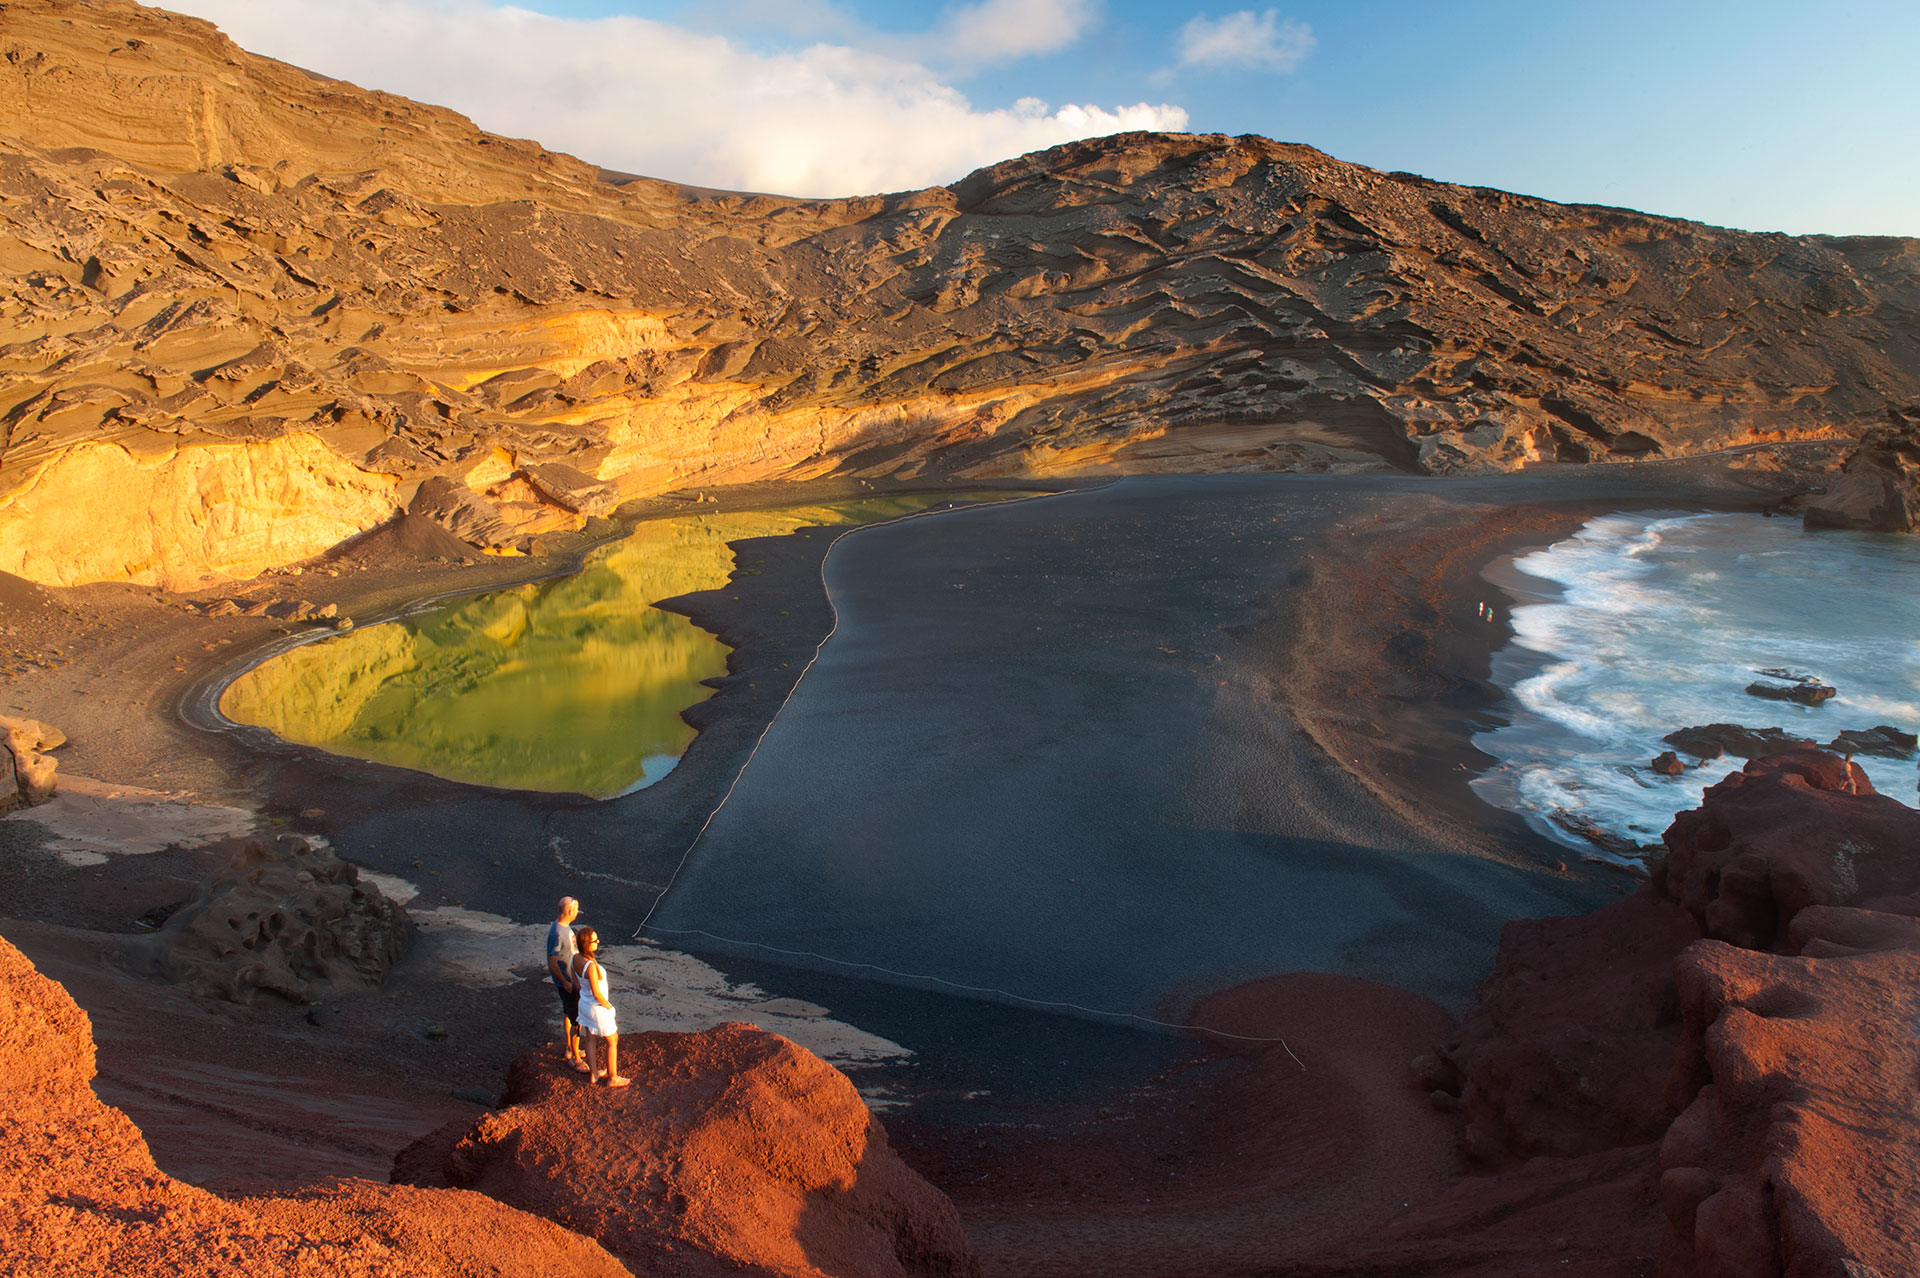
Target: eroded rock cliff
{"x": 246, "y": 312}
{"x": 1750, "y": 1010}
{"x": 80, "y": 1195}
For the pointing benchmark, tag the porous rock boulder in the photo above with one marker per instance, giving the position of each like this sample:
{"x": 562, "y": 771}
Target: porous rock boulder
{"x": 285, "y": 917}
{"x": 734, "y": 1150}
{"x": 1878, "y": 490}
{"x": 80, "y": 1195}
{"x": 1798, "y": 1150}
{"x": 1788, "y": 831}
{"x": 26, "y": 770}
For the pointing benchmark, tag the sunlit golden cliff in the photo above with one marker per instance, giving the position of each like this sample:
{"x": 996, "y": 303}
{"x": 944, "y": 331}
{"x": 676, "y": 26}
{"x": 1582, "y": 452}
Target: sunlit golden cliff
{"x": 246, "y": 312}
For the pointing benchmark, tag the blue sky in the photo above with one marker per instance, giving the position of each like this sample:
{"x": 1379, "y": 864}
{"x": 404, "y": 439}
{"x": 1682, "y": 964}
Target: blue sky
{"x": 1759, "y": 115}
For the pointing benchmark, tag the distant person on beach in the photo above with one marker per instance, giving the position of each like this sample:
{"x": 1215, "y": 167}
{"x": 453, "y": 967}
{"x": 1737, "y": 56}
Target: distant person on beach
{"x": 596, "y": 1012}
{"x": 560, "y": 954}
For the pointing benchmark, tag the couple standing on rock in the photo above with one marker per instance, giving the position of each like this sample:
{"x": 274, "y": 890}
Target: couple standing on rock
{"x": 573, "y": 961}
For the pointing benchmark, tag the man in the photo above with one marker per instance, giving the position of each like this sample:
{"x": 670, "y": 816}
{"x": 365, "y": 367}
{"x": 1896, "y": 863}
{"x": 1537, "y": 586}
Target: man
{"x": 560, "y": 952}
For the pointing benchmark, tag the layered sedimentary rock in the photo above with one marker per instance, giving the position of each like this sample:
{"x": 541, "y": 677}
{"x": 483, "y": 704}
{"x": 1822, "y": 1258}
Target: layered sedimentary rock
{"x": 229, "y": 286}
{"x": 80, "y": 1195}
{"x": 733, "y": 1150}
{"x": 1774, "y": 1066}
{"x": 1878, "y": 488}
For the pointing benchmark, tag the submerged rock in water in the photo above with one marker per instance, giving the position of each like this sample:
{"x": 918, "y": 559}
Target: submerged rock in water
{"x": 1886, "y": 741}
{"x": 1710, "y": 741}
{"x": 1595, "y": 833}
{"x": 291, "y": 919}
{"x": 1808, "y": 693}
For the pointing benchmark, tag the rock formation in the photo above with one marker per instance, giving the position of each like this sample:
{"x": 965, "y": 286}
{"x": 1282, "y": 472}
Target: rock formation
{"x": 1883, "y": 740}
{"x": 289, "y": 918}
{"x": 246, "y": 312}
{"x": 80, "y": 1195}
{"x": 1792, "y": 830}
{"x": 1806, "y": 692}
{"x": 1795, "y": 1150}
{"x": 733, "y": 1150}
{"x": 1711, "y": 740}
{"x": 1773, "y": 1061}
{"x": 1878, "y": 489}
{"x": 26, "y": 770}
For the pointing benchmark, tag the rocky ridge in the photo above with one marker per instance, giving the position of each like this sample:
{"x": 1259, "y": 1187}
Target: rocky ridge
{"x": 82, "y": 1195}
{"x": 264, "y": 311}
{"x": 1744, "y": 1021}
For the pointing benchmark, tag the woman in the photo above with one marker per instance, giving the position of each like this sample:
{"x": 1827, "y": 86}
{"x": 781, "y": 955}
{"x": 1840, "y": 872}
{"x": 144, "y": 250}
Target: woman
{"x": 597, "y": 1024}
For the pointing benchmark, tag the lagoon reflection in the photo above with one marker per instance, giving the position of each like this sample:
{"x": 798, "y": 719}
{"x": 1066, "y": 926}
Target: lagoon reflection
{"x": 572, "y": 685}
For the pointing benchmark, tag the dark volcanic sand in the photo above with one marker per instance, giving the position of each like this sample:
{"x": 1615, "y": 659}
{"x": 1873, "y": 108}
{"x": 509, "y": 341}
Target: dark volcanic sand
{"x": 1361, "y": 636}
{"x": 1041, "y": 756}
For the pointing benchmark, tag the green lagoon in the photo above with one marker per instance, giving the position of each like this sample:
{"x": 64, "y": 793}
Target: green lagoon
{"x": 571, "y": 685}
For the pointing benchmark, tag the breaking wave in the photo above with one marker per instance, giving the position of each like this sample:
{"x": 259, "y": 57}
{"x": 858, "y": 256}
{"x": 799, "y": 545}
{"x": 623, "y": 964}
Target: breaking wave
{"x": 1638, "y": 625}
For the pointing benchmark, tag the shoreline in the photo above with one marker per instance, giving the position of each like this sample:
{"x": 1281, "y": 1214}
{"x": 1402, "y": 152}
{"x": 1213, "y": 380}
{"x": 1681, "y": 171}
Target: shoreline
{"x": 366, "y": 809}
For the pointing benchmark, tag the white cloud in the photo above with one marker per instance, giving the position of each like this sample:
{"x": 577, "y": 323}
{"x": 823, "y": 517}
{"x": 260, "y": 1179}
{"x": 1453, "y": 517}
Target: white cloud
{"x": 653, "y": 98}
{"x": 1246, "y": 41}
{"x": 996, "y": 29}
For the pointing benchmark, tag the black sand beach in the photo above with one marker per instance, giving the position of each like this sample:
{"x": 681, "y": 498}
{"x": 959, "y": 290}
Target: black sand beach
{"x": 1284, "y": 790}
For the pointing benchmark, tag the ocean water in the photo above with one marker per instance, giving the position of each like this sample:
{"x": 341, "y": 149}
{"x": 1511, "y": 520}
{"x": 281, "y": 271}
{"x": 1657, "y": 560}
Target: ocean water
{"x": 1642, "y": 624}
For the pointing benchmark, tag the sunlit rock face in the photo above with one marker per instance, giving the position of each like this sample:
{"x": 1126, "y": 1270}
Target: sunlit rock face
{"x": 199, "y": 247}
{"x": 181, "y": 517}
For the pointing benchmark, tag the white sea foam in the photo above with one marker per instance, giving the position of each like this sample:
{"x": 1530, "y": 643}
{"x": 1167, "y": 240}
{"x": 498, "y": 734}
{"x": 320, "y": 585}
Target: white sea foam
{"x": 1661, "y": 622}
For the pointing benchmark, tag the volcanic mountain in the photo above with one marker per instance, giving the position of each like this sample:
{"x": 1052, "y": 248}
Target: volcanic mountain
{"x": 247, "y": 311}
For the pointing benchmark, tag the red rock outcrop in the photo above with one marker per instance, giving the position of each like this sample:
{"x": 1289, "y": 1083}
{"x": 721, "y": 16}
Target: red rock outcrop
{"x": 80, "y": 1195}
{"x": 734, "y": 1149}
{"x": 225, "y": 275}
{"x": 1798, "y": 1152}
{"x": 1570, "y": 1046}
{"x": 1788, "y": 831}
{"x": 1796, "y": 1147}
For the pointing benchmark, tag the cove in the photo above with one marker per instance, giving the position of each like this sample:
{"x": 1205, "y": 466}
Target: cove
{"x": 1640, "y": 624}
{"x": 572, "y": 685}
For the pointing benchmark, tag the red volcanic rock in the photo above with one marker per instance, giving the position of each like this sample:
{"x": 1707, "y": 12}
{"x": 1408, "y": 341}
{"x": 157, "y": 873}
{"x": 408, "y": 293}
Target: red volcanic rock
{"x": 1570, "y": 1046}
{"x": 733, "y": 1148}
{"x": 1788, "y": 831}
{"x": 1799, "y": 1153}
{"x": 80, "y": 1195}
